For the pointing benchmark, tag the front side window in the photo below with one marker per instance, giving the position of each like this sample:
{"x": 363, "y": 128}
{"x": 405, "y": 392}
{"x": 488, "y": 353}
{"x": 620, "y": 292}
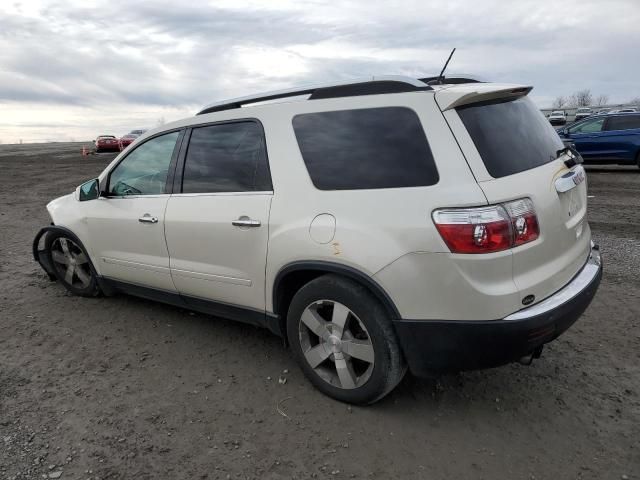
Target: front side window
{"x": 144, "y": 170}
{"x": 590, "y": 126}
{"x": 365, "y": 149}
{"x": 228, "y": 157}
{"x": 624, "y": 122}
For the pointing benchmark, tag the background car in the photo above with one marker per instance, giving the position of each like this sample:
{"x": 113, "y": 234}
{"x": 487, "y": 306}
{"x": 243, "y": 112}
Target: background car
{"x": 127, "y": 140}
{"x": 609, "y": 138}
{"x": 582, "y": 113}
{"x": 625, "y": 110}
{"x": 106, "y": 143}
{"x": 558, "y": 117}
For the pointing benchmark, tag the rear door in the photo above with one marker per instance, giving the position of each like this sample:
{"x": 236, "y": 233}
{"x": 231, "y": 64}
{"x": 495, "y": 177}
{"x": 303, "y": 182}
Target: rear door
{"x": 513, "y": 152}
{"x": 217, "y": 220}
{"x": 623, "y": 135}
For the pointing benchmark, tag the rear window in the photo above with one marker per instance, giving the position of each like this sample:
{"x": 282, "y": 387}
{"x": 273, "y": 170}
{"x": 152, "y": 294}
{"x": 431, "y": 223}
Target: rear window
{"x": 365, "y": 149}
{"x": 623, "y": 122}
{"x": 511, "y": 135}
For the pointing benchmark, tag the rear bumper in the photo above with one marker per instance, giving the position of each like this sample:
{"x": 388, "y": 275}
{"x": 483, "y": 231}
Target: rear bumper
{"x": 432, "y": 346}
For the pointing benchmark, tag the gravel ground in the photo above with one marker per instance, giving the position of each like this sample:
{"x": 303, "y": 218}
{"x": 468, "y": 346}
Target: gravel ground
{"x": 125, "y": 388}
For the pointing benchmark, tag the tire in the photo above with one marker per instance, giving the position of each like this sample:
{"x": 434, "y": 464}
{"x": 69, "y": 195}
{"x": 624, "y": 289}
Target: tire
{"x": 71, "y": 264}
{"x": 343, "y": 339}
{"x": 638, "y": 159}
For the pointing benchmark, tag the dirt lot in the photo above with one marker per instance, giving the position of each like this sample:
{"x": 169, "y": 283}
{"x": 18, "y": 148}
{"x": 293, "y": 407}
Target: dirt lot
{"x": 126, "y": 388}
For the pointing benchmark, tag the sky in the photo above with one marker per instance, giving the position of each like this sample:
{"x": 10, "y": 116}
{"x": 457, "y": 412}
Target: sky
{"x": 71, "y": 70}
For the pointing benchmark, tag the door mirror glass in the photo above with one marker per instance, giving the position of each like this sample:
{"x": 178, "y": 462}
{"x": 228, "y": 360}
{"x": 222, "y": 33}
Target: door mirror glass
{"x": 89, "y": 190}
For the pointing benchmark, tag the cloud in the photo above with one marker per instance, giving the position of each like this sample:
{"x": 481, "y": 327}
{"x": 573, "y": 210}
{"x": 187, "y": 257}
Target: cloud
{"x": 116, "y": 59}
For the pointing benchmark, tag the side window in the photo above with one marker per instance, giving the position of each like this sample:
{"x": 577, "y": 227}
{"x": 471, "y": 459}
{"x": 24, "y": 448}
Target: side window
{"x": 624, "y": 122}
{"x": 144, "y": 170}
{"x": 590, "y": 126}
{"x": 365, "y": 149}
{"x": 229, "y": 157}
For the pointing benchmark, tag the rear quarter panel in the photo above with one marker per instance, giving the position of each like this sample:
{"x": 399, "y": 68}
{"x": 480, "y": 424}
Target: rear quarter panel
{"x": 373, "y": 227}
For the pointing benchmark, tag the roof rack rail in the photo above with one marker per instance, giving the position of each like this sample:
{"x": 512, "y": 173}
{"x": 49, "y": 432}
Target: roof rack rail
{"x": 451, "y": 80}
{"x": 368, "y": 86}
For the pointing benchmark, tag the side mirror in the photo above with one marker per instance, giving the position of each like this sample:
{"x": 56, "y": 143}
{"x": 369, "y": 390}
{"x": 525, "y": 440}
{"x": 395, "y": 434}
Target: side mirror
{"x": 89, "y": 190}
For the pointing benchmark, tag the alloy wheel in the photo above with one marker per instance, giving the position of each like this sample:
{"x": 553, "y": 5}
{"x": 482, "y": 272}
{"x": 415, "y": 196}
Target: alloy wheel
{"x": 71, "y": 263}
{"x": 336, "y": 344}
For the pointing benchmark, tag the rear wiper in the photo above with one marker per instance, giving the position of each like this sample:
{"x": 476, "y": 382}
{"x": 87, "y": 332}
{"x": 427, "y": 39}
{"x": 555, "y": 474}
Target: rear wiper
{"x": 574, "y": 157}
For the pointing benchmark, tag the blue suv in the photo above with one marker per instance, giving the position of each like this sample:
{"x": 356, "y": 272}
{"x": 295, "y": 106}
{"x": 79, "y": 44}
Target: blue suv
{"x": 609, "y": 138}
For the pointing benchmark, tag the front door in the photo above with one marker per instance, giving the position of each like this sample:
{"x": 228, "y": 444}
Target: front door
{"x": 126, "y": 224}
{"x": 587, "y": 137}
{"x": 217, "y": 220}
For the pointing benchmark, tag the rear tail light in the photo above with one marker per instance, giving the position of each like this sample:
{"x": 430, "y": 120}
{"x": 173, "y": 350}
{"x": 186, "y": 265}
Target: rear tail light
{"x": 488, "y": 229}
{"x": 523, "y": 221}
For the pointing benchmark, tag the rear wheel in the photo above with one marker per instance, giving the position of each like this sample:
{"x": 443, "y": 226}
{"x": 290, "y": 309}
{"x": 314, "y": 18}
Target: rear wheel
{"x": 71, "y": 265}
{"x": 638, "y": 159}
{"x": 344, "y": 341}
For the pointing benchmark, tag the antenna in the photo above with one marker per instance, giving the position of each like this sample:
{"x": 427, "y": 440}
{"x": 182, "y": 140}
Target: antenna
{"x": 441, "y": 76}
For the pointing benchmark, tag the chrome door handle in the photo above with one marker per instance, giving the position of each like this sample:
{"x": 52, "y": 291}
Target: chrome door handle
{"x": 245, "y": 221}
{"x": 146, "y": 218}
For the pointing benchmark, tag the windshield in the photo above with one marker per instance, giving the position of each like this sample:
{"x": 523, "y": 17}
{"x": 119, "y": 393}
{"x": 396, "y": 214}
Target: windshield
{"x": 556, "y": 113}
{"x": 511, "y": 135}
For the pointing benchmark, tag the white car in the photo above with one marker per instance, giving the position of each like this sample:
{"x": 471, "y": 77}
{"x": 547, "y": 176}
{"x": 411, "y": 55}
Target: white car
{"x": 558, "y": 117}
{"x": 376, "y": 225}
{"x": 583, "y": 112}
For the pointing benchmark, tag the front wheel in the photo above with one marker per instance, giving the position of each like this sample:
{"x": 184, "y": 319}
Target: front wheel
{"x": 343, "y": 340}
{"x": 71, "y": 264}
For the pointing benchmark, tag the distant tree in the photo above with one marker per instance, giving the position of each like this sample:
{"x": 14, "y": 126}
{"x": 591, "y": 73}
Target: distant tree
{"x": 601, "y": 100}
{"x": 559, "y": 102}
{"x": 581, "y": 98}
{"x": 635, "y": 101}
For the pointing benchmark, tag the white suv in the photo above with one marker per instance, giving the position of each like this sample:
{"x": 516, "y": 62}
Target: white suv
{"x": 375, "y": 225}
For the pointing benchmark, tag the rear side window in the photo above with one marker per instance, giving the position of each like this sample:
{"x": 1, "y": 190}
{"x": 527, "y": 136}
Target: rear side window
{"x": 623, "y": 122}
{"x": 511, "y": 135}
{"x": 227, "y": 157}
{"x": 365, "y": 149}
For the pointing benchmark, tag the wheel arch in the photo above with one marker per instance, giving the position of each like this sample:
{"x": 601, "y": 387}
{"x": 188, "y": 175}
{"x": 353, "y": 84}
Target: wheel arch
{"x": 293, "y": 276}
{"x": 40, "y": 254}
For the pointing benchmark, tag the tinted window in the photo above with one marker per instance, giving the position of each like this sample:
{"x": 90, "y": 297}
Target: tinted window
{"x": 144, "y": 170}
{"x": 590, "y": 126}
{"x": 623, "y": 122}
{"x": 226, "y": 158}
{"x": 368, "y": 148}
{"x": 511, "y": 136}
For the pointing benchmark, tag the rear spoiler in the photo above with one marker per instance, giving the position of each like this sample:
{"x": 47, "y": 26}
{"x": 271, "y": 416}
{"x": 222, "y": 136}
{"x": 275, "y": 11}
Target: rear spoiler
{"x": 449, "y": 98}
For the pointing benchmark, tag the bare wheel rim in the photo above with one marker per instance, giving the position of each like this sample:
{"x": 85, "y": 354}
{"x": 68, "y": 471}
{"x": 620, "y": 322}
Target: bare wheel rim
{"x": 70, "y": 262}
{"x": 336, "y": 344}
